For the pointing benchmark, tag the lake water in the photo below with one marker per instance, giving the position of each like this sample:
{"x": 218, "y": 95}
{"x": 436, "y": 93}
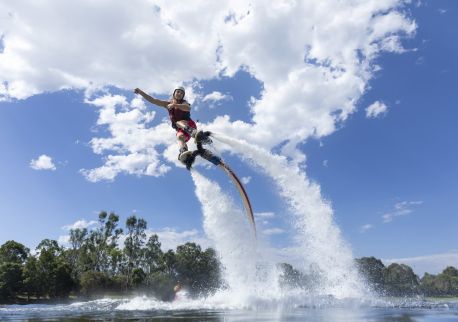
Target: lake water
{"x": 324, "y": 310}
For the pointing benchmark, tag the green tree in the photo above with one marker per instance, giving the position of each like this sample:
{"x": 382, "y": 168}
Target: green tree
{"x": 443, "y": 284}
{"x": 168, "y": 263}
{"x": 95, "y": 252}
{"x": 372, "y": 270}
{"x": 94, "y": 283}
{"x": 10, "y": 279}
{"x": 400, "y": 280}
{"x": 153, "y": 254}
{"x": 33, "y": 284}
{"x": 54, "y": 270}
{"x": 199, "y": 271}
{"x": 76, "y": 253}
{"x": 133, "y": 245}
{"x": 13, "y": 252}
{"x": 12, "y": 257}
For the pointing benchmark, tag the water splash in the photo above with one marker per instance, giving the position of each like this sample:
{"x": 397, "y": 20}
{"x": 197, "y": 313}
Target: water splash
{"x": 319, "y": 241}
{"x": 250, "y": 273}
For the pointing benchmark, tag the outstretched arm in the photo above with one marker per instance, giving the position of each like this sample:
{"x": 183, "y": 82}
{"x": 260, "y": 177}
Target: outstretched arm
{"x": 151, "y": 99}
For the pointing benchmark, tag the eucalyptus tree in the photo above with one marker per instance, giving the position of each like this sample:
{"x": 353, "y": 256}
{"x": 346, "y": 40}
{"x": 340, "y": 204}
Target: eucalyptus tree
{"x": 96, "y": 250}
{"x": 152, "y": 254}
{"x": 54, "y": 271}
{"x": 12, "y": 257}
{"x": 199, "y": 270}
{"x": 133, "y": 244}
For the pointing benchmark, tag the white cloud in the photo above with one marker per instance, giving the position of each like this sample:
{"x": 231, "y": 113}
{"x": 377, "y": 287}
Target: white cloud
{"x": 325, "y": 163}
{"x": 442, "y": 11}
{"x": 432, "y": 264}
{"x": 64, "y": 240}
{"x": 157, "y": 44}
{"x": 273, "y": 231}
{"x": 403, "y": 208}
{"x": 246, "y": 180}
{"x": 365, "y": 228}
{"x": 80, "y": 224}
{"x": 170, "y": 238}
{"x": 216, "y": 97}
{"x": 43, "y": 162}
{"x": 132, "y": 146}
{"x": 376, "y": 109}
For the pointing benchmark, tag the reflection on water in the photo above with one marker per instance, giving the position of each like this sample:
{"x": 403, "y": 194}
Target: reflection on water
{"x": 144, "y": 308}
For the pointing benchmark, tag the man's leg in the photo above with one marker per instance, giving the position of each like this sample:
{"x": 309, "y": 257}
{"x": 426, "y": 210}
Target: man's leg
{"x": 199, "y": 135}
{"x": 182, "y": 143}
{"x": 185, "y": 127}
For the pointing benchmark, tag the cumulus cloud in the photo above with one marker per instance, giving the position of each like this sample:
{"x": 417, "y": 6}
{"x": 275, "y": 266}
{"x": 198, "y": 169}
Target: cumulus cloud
{"x": 80, "y": 224}
{"x": 170, "y": 238}
{"x": 376, "y": 109}
{"x": 403, "y": 208}
{"x": 216, "y": 97}
{"x": 64, "y": 240}
{"x": 43, "y": 162}
{"x": 131, "y": 146}
{"x": 433, "y": 264}
{"x": 156, "y": 44}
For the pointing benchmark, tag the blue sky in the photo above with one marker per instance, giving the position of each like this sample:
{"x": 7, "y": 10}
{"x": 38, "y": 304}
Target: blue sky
{"x": 391, "y": 179}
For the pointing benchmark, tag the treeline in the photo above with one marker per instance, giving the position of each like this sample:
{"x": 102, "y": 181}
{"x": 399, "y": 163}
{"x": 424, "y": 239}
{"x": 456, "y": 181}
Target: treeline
{"x": 400, "y": 280}
{"x": 94, "y": 265}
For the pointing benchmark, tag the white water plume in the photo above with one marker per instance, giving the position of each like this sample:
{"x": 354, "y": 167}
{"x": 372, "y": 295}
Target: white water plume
{"x": 249, "y": 271}
{"x": 319, "y": 240}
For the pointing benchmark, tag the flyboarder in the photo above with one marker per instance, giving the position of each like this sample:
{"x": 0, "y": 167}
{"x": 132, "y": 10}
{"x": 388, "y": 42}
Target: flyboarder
{"x": 180, "y": 115}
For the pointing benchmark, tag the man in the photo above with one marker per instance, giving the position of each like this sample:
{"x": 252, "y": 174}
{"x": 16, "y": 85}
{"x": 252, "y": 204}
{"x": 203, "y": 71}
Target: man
{"x": 180, "y": 114}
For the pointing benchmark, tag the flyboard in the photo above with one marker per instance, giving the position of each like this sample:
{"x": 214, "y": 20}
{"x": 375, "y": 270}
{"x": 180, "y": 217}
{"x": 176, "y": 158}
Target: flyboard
{"x": 203, "y": 137}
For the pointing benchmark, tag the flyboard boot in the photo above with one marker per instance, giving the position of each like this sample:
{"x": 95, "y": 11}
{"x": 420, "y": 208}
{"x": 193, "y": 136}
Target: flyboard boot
{"x": 202, "y": 137}
{"x": 184, "y": 155}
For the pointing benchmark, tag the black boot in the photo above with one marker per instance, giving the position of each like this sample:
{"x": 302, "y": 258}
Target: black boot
{"x": 203, "y": 137}
{"x": 182, "y": 150}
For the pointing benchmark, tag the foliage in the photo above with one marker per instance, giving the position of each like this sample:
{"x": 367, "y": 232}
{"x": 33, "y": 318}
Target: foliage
{"x": 10, "y": 279}
{"x": 400, "y": 280}
{"x": 94, "y": 283}
{"x": 94, "y": 264}
{"x": 443, "y": 284}
{"x": 196, "y": 269}
{"x": 372, "y": 269}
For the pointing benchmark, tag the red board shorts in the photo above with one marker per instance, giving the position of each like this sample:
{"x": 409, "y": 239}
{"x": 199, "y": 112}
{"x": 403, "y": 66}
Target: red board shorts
{"x": 187, "y": 136}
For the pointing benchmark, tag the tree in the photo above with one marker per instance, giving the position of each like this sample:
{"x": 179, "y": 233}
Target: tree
{"x": 12, "y": 257}
{"x": 93, "y": 283}
{"x": 400, "y": 280}
{"x": 95, "y": 251}
{"x": 13, "y": 252}
{"x": 153, "y": 254}
{"x": 133, "y": 245}
{"x": 197, "y": 270}
{"x": 10, "y": 279}
{"x": 372, "y": 270}
{"x": 76, "y": 252}
{"x": 53, "y": 269}
{"x": 443, "y": 284}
